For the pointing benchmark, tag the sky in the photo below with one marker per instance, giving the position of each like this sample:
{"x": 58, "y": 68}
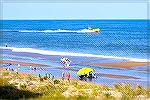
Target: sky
{"x": 74, "y": 11}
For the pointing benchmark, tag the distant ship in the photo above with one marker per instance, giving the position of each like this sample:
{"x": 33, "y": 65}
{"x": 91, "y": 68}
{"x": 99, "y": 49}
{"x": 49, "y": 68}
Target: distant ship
{"x": 97, "y": 30}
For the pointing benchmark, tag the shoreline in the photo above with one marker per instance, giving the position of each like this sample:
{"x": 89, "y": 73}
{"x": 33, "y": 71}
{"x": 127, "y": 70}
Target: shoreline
{"x": 127, "y": 64}
{"x": 40, "y": 52}
{"x": 71, "y": 69}
{"x": 21, "y": 63}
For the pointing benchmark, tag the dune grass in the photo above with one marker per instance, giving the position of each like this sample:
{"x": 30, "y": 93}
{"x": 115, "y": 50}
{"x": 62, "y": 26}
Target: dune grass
{"x": 32, "y": 87}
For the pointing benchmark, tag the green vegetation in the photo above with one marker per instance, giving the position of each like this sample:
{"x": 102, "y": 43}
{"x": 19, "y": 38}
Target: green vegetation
{"x": 56, "y": 81}
{"x": 27, "y": 86}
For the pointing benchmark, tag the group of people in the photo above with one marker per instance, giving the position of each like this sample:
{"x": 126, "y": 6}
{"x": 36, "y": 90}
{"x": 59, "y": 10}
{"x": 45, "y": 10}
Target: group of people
{"x": 67, "y": 75}
{"x": 65, "y": 62}
{"x": 50, "y": 76}
{"x": 90, "y": 76}
{"x": 12, "y": 69}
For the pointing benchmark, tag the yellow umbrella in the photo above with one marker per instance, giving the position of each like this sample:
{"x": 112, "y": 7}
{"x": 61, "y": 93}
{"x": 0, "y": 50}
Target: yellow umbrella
{"x": 84, "y": 71}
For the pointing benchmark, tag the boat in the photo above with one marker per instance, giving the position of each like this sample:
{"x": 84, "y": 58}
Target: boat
{"x": 97, "y": 30}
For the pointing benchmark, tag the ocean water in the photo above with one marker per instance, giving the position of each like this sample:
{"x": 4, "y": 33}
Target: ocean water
{"x": 46, "y": 41}
{"x": 117, "y": 38}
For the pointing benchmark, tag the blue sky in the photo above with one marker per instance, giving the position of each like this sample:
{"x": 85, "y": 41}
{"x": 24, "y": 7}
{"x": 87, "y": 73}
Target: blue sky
{"x": 74, "y": 11}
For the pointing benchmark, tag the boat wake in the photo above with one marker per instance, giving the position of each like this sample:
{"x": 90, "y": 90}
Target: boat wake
{"x": 50, "y": 31}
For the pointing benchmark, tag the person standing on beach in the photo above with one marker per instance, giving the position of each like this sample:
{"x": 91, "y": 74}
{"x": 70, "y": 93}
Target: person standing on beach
{"x": 52, "y": 78}
{"x": 68, "y": 77}
{"x": 18, "y": 69}
{"x": 49, "y": 75}
{"x": 68, "y": 62}
{"x": 63, "y": 76}
{"x": 65, "y": 62}
{"x": 30, "y": 69}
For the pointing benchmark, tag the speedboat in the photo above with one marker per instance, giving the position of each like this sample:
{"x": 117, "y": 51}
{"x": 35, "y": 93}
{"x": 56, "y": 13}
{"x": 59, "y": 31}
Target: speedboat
{"x": 97, "y": 30}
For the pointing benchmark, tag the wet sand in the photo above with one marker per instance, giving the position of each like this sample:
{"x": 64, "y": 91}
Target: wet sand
{"x": 116, "y": 76}
{"x": 21, "y": 63}
{"x": 145, "y": 70}
{"x": 128, "y": 64}
{"x": 118, "y": 64}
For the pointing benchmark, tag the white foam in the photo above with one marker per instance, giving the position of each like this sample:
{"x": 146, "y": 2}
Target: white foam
{"x": 57, "y": 31}
{"x": 48, "y": 52}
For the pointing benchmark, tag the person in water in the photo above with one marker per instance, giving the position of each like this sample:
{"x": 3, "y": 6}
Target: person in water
{"x": 6, "y": 45}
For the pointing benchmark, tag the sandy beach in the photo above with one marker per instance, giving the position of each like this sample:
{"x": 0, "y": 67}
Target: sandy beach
{"x": 128, "y": 64}
{"x": 116, "y": 76}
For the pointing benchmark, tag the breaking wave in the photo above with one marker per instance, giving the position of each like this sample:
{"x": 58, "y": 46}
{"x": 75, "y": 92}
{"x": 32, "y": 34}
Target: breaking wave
{"x": 49, "y": 52}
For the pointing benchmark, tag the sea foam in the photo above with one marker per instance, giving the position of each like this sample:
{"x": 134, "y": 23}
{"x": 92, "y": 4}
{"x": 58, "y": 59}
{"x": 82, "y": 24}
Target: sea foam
{"x": 49, "y": 52}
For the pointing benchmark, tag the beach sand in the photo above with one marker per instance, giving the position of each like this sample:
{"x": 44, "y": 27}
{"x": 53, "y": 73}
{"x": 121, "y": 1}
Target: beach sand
{"x": 116, "y": 76}
{"x": 128, "y": 64}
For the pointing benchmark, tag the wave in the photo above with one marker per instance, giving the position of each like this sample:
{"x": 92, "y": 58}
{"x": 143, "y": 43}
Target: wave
{"x": 50, "y": 31}
{"x": 48, "y": 52}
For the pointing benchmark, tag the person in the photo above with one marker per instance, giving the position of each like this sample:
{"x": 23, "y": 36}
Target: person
{"x": 90, "y": 74}
{"x": 6, "y": 44}
{"x": 52, "y": 78}
{"x": 30, "y": 69}
{"x": 63, "y": 76}
{"x": 95, "y": 76}
{"x": 12, "y": 69}
{"x": 68, "y": 62}
{"x": 49, "y": 75}
{"x": 65, "y": 61}
{"x": 68, "y": 77}
{"x": 81, "y": 77}
{"x": 18, "y": 70}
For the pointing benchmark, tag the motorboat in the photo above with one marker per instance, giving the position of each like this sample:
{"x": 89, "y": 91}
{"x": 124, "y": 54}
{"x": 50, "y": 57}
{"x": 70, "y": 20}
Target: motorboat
{"x": 97, "y": 30}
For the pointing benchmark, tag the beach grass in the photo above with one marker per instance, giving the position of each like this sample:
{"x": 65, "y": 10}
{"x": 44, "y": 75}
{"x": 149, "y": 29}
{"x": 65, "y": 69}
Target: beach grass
{"x": 27, "y": 86}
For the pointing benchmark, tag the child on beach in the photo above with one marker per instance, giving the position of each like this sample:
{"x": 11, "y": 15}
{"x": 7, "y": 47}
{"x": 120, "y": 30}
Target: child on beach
{"x": 63, "y": 76}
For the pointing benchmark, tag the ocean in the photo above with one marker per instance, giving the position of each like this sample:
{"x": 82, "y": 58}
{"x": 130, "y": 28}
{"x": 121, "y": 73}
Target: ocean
{"x": 49, "y": 40}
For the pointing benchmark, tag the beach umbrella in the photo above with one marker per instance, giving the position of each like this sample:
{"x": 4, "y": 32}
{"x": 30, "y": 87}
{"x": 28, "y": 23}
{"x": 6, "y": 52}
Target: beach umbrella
{"x": 84, "y": 71}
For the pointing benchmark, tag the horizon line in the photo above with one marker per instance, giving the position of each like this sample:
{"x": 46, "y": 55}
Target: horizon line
{"x": 81, "y": 19}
